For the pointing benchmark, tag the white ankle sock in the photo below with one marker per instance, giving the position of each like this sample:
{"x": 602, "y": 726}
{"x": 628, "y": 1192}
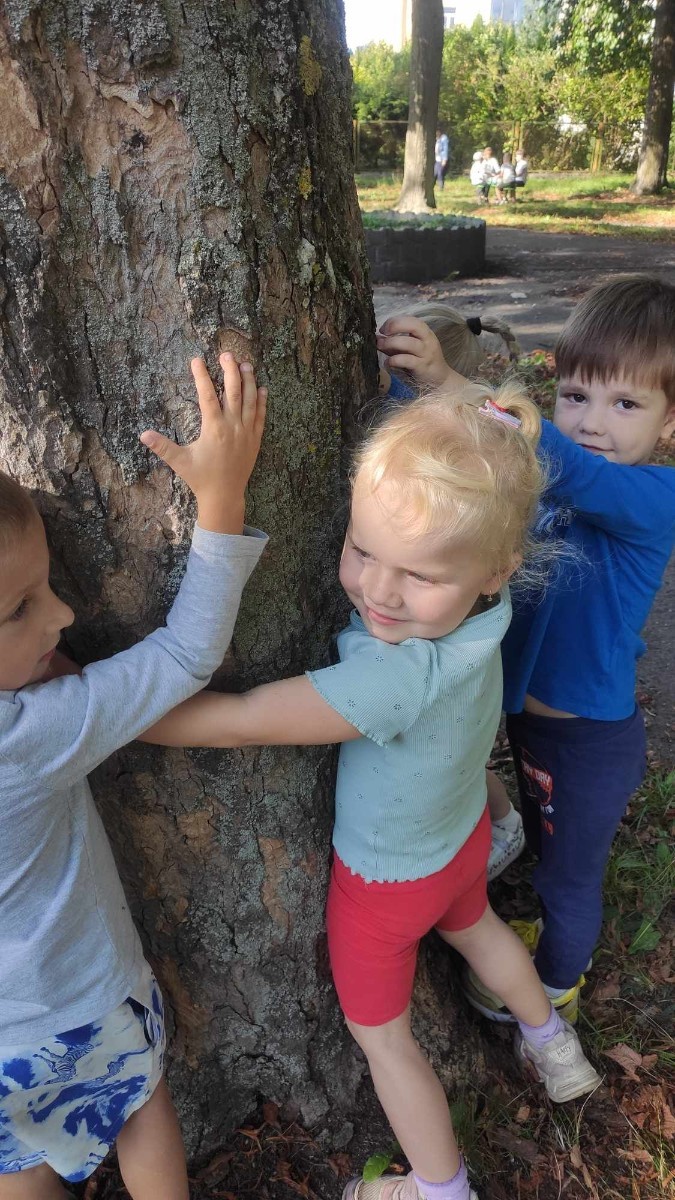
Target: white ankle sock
{"x": 554, "y": 993}
{"x": 510, "y": 822}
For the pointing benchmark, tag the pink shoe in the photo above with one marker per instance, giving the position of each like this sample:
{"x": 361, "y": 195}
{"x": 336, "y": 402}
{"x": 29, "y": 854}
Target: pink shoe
{"x": 387, "y": 1187}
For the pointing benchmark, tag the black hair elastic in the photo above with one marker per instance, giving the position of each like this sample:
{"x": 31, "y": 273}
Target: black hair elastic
{"x": 474, "y": 324}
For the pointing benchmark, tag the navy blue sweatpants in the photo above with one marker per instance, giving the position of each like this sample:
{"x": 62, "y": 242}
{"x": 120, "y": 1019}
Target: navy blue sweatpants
{"x": 575, "y": 778}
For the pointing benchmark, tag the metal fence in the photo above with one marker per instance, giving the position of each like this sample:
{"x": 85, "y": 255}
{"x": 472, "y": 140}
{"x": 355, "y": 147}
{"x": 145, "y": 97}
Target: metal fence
{"x": 550, "y": 145}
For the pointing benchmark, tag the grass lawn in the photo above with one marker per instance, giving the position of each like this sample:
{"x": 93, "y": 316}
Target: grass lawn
{"x": 576, "y": 202}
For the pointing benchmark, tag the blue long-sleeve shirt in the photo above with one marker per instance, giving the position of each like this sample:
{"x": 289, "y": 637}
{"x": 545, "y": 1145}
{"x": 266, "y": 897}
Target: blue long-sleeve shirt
{"x": 574, "y": 646}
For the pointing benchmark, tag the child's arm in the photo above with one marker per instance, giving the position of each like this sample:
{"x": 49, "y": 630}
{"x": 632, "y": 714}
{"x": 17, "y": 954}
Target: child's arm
{"x": 58, "y": 731}
{"x": 376, "y": 691}
{"x": 630, "y": 502}
{"x": 410, "y": 345}
{"x": 289, "y": 712}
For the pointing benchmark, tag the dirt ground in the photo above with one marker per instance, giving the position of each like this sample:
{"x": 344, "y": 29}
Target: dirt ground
{"x": 533, "y": 281}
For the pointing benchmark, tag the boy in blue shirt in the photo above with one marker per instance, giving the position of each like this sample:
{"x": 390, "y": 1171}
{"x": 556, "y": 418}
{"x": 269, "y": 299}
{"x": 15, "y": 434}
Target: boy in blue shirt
{"x": 569, "y": 658}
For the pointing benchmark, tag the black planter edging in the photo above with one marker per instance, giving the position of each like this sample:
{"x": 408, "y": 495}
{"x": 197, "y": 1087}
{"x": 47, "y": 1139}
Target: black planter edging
{"x": 410, "y": 254}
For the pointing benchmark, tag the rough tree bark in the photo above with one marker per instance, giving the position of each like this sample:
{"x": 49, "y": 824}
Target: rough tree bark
{"x": 653, "y": 159}
{"x": 417, "y": 192}
{"x": 175, "y": 178}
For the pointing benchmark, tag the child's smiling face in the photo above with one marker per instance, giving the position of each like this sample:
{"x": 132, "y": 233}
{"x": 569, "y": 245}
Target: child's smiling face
{"x": 31, "y": 615}
{"x": 405, "y": 586}
{"x": 617, "y": 418}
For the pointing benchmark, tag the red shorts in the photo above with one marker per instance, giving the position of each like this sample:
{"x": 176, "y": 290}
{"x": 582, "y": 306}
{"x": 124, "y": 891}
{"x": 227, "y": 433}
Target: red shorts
{"x": 374, "y": 929}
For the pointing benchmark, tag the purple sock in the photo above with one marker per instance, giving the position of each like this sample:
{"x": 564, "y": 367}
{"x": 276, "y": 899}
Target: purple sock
{"x": 538, "y": 1035}
{"x": 456, "y": 1188}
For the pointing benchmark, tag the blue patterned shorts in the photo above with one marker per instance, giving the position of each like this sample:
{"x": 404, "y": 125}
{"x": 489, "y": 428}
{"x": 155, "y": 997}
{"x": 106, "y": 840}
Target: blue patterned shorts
{"x": 65, "y": 1101}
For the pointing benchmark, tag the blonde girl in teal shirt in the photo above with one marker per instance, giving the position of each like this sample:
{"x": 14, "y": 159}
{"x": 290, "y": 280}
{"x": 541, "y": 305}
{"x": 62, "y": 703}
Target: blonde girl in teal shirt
{"x": 443, "y": 493}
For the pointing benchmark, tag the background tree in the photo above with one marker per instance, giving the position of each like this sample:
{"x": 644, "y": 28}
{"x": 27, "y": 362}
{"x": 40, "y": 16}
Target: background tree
{"x": 381, "y": 82}
{"x": 611, "y": 40}
{"x": 176, "y": 177}
{"x": 417, "y": 192}
{"x": 658, "y": 122}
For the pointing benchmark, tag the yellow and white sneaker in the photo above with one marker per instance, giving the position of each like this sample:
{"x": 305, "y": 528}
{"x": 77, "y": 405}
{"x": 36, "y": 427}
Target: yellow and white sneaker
{"x": 491, "y": 1006}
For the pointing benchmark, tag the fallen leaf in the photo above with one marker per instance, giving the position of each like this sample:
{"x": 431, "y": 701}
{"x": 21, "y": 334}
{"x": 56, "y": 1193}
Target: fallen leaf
{"x": 216, "y": 1165}
{"x": 642, "y": 1156}
{"x": 575, "y": 1157}
{"x": 284, "y": 1174}
{"x": 271, "y": 1114}
{"x": 523, "y": 1113}
{"x": 340, "y": 1163}
{"x": 587, "y": 1179}
{"x": 629, "y": 1060}
{"x": 608, "y": 989}
{"x": 520, "y": 1147}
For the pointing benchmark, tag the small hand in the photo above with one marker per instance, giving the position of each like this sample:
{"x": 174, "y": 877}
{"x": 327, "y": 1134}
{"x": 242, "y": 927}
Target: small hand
{"x": 410, "y": 345}
{"x": 217, "y": 466}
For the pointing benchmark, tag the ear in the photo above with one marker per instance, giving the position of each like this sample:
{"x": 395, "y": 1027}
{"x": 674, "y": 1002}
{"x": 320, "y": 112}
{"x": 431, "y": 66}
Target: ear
{"x": 496, "y": 581}
{"x": 668, "y": 429}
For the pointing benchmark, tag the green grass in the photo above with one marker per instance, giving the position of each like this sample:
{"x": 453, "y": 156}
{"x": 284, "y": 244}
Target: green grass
{"x": 577, "y": 202}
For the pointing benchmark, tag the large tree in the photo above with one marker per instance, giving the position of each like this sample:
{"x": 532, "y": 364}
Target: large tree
{"x": 658, "y": 121}
{"x": 176, "y": 177}
{"x": 417, "y": 192}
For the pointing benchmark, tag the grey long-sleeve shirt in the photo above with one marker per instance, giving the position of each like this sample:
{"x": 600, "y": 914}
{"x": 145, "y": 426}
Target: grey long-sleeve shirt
{"x": 69, "y": 951}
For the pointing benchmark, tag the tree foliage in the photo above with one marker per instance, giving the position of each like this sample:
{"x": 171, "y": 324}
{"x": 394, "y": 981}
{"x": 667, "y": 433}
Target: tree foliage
{"x": 603, "y": 35}
{"x": 380, "y": 82}
{"x": 580, "y": 62}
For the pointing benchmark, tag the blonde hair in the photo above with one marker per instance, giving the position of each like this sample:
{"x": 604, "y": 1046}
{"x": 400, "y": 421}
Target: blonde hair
{"x": 461, "y": 346}
{"x": 17, "y": 511}
{"x": 624, "y": 327}
{"x": 460, "y": 472}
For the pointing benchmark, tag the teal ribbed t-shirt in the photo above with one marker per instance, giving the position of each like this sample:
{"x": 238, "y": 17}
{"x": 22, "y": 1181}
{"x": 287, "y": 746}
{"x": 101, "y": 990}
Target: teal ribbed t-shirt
{"x": 412, "y": 789}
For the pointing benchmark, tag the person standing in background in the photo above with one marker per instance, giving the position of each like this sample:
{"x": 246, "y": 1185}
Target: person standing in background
{"x": 441, "y": 157}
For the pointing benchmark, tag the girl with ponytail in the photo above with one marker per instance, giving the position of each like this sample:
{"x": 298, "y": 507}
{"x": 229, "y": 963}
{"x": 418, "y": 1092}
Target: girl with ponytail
{"x": 433, "y": 344}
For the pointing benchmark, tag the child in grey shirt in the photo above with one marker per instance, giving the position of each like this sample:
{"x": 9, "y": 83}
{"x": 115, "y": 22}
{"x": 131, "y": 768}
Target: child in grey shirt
{"x": 81, "y": 1021}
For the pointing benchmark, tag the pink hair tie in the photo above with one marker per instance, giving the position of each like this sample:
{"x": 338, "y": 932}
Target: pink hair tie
{"x": 490, "y": 409}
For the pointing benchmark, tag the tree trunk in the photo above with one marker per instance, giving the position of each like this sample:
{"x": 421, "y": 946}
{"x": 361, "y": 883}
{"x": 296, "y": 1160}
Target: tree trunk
{"x": 417, "y": 193}
{"x": 176, "y": 178}
{"x": 653, "y": 160}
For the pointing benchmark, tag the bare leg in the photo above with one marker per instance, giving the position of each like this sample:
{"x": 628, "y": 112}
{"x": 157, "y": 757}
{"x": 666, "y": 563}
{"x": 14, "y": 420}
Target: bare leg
{"x": 150, "y": 1151}
{"x": 411, "y": 1095}
{"x": 503, "y": 964}
{"x": 37, "y": 1183}
{"x": 497, "y": 797}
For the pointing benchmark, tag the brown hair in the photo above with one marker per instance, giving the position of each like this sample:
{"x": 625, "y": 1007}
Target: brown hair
{"x": 622, "y": 328}
{"x": 17, "y": 510}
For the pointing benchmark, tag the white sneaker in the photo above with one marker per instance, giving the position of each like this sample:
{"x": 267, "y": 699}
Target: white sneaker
{"x": 560, "y": 1065}
{"x": 506, "y": 848}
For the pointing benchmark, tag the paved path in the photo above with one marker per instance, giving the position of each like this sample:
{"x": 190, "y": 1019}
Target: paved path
{"x": 551, "y": 269}
{"x": 533, "y": 280}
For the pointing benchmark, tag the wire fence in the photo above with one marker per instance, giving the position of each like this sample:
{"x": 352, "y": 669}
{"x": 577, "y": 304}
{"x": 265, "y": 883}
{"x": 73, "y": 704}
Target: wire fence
{"x": 560, "y": 145}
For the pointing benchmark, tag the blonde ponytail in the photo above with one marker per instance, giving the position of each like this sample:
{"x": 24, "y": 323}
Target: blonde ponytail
{"x": 460, "y": 338}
